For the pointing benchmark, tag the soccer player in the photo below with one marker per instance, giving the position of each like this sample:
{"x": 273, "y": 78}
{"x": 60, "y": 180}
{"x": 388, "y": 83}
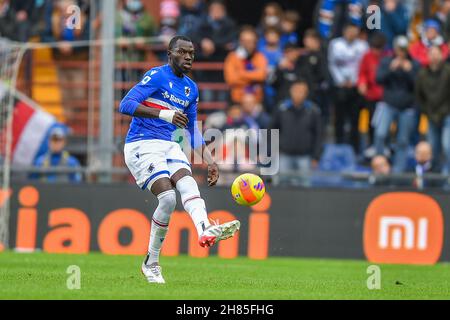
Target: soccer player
{"x": 167, "y": 99}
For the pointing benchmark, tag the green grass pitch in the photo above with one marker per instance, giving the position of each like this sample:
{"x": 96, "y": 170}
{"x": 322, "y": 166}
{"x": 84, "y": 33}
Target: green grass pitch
{"x": 43, "y": 276}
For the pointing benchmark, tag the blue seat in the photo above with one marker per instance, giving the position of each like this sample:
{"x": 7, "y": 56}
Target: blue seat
{"x": 338, "y": 158}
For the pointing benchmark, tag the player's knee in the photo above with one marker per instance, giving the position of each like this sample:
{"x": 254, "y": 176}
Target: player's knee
{"x": 167, "y": 200}
{"x": 188, "y": 188}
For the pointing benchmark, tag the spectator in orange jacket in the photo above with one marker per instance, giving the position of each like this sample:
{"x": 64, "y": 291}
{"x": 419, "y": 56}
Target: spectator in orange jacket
{"x": 245, "y": 69}
{"x": 431, "y": 37}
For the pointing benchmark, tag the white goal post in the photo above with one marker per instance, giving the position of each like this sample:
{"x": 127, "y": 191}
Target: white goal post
{"x": 11, "y": 55}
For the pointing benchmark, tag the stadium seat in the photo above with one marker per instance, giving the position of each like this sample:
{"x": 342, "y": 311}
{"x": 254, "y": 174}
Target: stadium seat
{"x": 338, "y": 158}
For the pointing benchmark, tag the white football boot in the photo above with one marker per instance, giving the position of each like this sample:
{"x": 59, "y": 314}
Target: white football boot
{"x": 153, "y": 273}
{"x": 217, "y": 232}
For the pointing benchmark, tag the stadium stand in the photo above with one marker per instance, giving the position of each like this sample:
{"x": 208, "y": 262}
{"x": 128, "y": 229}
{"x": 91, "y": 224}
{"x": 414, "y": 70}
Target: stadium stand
{"x": 65, "y": 82}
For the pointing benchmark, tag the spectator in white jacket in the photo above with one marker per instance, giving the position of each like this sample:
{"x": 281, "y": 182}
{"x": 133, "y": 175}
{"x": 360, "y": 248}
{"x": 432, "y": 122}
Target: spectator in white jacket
{"x": 344, "y": 57}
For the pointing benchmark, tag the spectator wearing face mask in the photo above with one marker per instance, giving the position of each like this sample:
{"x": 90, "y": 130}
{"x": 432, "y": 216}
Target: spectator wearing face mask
{"x": 431, "y": 37}
{"x": 245, "y": 69}
{"x": 271, "y": 17}
{"x": 285, "y": 22}
{"x": 132, "y": 21}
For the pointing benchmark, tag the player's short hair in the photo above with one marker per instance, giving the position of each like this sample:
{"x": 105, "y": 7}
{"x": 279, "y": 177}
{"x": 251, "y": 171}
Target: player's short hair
{"x": 175, "y": 39}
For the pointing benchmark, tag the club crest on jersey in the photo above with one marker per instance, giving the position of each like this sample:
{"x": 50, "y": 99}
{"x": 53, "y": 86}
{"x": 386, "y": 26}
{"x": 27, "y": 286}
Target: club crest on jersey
{"x": 170, "y": 84}
{"x": 187, "y": 91}
{"x": 151, "y": 167}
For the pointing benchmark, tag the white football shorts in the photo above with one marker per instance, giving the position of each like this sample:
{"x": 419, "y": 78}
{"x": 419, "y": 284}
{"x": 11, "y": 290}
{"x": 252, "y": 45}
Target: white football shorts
{"x": 150, "y": 160}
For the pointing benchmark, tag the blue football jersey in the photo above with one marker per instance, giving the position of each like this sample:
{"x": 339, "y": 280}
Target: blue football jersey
{"x": 161, "y": 88}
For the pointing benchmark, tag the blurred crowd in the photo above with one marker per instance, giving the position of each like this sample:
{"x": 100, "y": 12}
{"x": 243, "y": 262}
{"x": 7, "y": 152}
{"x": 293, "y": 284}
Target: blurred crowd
{"x": 348, "y": 86}
{"x": 339, "y": 84}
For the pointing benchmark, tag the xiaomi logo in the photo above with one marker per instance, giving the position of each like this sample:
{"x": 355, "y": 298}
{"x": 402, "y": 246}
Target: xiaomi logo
{"x": 399, "y": 232}
{"x": 403, "y": 227}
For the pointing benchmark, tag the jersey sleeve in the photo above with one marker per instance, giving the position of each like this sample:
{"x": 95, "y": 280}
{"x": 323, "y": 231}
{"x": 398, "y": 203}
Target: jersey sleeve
{"x": 140, "y": 92}
{"x": 192, "y": 127}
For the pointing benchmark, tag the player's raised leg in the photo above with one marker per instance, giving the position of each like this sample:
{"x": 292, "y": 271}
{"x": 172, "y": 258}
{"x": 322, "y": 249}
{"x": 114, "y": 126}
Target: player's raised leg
{"x": 162, "y": 189}
{"x": 194, "y": 204}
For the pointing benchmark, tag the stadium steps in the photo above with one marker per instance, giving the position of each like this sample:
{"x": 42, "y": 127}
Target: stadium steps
{"x": 48, "y": 94}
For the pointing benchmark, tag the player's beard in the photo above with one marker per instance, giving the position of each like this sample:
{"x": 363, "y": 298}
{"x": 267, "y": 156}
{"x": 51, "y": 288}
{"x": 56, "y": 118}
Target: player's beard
{"x": 178, "y": 68}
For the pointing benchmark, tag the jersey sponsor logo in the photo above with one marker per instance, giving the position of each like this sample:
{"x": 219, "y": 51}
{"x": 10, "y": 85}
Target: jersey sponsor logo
{"x": 175, "y": 99}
